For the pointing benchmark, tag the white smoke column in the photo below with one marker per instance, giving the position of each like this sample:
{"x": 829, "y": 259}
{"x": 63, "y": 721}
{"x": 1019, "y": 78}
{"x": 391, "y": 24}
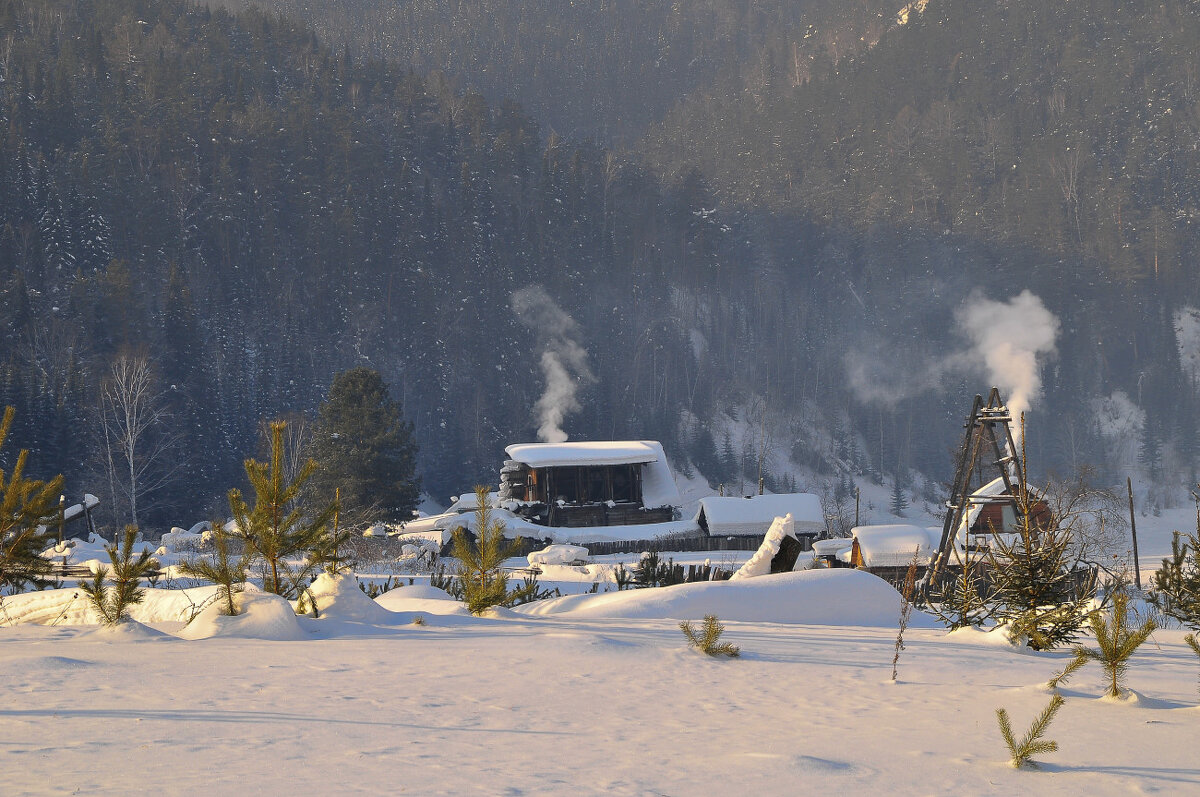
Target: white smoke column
{"x": 564, "y": 360}
{"x": 1008, "y": 337}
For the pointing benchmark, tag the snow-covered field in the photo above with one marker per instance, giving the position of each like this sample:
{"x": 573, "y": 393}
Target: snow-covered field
{"x": 580, "y": 695}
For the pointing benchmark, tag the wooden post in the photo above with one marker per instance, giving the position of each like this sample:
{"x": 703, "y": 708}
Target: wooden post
{"x": 62, "y": 516}
{"x": 1137, "y": 569}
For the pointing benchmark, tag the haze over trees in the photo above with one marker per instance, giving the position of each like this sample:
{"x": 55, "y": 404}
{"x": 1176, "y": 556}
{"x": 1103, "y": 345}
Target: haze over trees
{"x": 257, "y": 210}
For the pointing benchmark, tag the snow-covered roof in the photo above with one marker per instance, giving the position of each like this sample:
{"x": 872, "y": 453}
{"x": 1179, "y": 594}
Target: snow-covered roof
{"x": 603, "y": 452}
{"x": 753, "y": 515}
{"x": 894, "y": 545}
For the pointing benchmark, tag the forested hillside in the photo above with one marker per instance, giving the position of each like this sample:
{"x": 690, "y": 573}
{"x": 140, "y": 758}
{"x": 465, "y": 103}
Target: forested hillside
{"x": 780, "y": 273}
{"x": 253, "y": 212}
{"x": 1072, "y": 126}
{"x": 603, "y": 68}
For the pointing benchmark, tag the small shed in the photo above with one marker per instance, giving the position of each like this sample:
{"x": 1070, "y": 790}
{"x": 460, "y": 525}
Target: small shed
{"x": 893, "y": 545}
{"x": 721, "y": 516}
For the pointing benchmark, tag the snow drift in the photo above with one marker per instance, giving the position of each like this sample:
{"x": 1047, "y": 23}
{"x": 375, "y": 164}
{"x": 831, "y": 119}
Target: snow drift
{"x": 263, "y": 616}
{"x": 339, "y": 598}
{"x": 816, "y": 597}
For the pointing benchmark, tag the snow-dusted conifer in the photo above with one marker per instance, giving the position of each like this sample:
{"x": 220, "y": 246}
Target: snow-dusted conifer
{"x": 126, "y": 572}
{"x": 1035, "y": 586}
{"x": 1176, "y": 588}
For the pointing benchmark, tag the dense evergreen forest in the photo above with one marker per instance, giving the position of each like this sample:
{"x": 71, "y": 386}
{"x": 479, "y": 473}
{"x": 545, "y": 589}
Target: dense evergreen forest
{"x": 221, "y": 204}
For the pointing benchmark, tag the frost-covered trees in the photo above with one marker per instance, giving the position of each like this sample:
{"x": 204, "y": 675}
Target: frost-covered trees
{"x": 26, "y": 507}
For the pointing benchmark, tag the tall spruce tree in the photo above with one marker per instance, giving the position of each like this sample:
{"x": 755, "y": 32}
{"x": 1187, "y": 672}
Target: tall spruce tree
{"x": 365, "y": 449}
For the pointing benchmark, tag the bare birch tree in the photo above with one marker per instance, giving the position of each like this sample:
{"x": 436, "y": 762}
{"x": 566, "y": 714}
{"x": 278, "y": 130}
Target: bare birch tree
{"x": 136, "y": 438}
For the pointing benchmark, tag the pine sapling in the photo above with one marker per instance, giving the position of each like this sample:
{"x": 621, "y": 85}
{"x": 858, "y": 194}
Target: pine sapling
{"x": 1176, "y": 587}
{"x": 278, "y": 527}
{"x": 27, "y": 507}
{"x": 112, "y": 603}
{"x": 481, "y": 577}
{"x": 1078, "y": 660}
{"x": 227, "y": 572}
{"x": 906, "y": 607}
{"x": 1116, "y": 641}
{"x": 1032, "y": 744}
{"x": 707, "y": 639}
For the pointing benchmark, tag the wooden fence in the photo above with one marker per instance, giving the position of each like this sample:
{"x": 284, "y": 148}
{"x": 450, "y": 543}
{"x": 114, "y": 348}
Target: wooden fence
{"x": 684, "y": 544}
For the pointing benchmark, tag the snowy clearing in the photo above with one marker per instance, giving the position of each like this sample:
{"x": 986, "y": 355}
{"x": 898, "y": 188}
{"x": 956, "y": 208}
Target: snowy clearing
{"x": 550, "y": 700}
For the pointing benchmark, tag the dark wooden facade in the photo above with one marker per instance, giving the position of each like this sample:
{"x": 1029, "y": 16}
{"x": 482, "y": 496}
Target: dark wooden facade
{"x": 580, "y": 495}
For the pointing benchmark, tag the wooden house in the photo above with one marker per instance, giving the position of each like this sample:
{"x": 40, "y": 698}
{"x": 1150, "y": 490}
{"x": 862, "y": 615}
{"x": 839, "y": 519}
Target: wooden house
{"x": 609, "y": 483}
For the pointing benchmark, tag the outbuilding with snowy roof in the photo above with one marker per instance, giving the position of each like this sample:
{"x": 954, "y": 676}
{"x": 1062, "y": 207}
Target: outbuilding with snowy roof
{"x": 723, "y": 516}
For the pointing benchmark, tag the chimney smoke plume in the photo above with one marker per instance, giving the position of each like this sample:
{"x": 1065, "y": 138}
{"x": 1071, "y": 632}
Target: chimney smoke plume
{"x": 563, "y": 359}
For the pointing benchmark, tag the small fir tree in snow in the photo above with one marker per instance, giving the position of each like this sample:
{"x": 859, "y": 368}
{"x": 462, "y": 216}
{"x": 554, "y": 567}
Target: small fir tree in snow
{"x": 1115, "y": 641}
{"x": 279, "y": 527}
{"x": 481, "y": 579}
{"x": 1032, "y": 743}
{"x": 1176, "y": 587}
{"x": 707, "y": 639}
{"x": 28, "y": 508}
{"x": 963, "y": 599}
{"x": 1036, "y": 588}
{"x": 223, "y": 569}
{"x": 126, "y": 572}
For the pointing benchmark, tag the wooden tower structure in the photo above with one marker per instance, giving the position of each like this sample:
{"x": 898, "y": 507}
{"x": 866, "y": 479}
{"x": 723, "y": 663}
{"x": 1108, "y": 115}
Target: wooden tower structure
{"x": 987, "y": 458}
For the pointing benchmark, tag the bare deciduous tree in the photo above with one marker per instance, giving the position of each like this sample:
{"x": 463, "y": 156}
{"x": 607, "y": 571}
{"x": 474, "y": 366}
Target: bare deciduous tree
{"x": 136, "y": 439}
